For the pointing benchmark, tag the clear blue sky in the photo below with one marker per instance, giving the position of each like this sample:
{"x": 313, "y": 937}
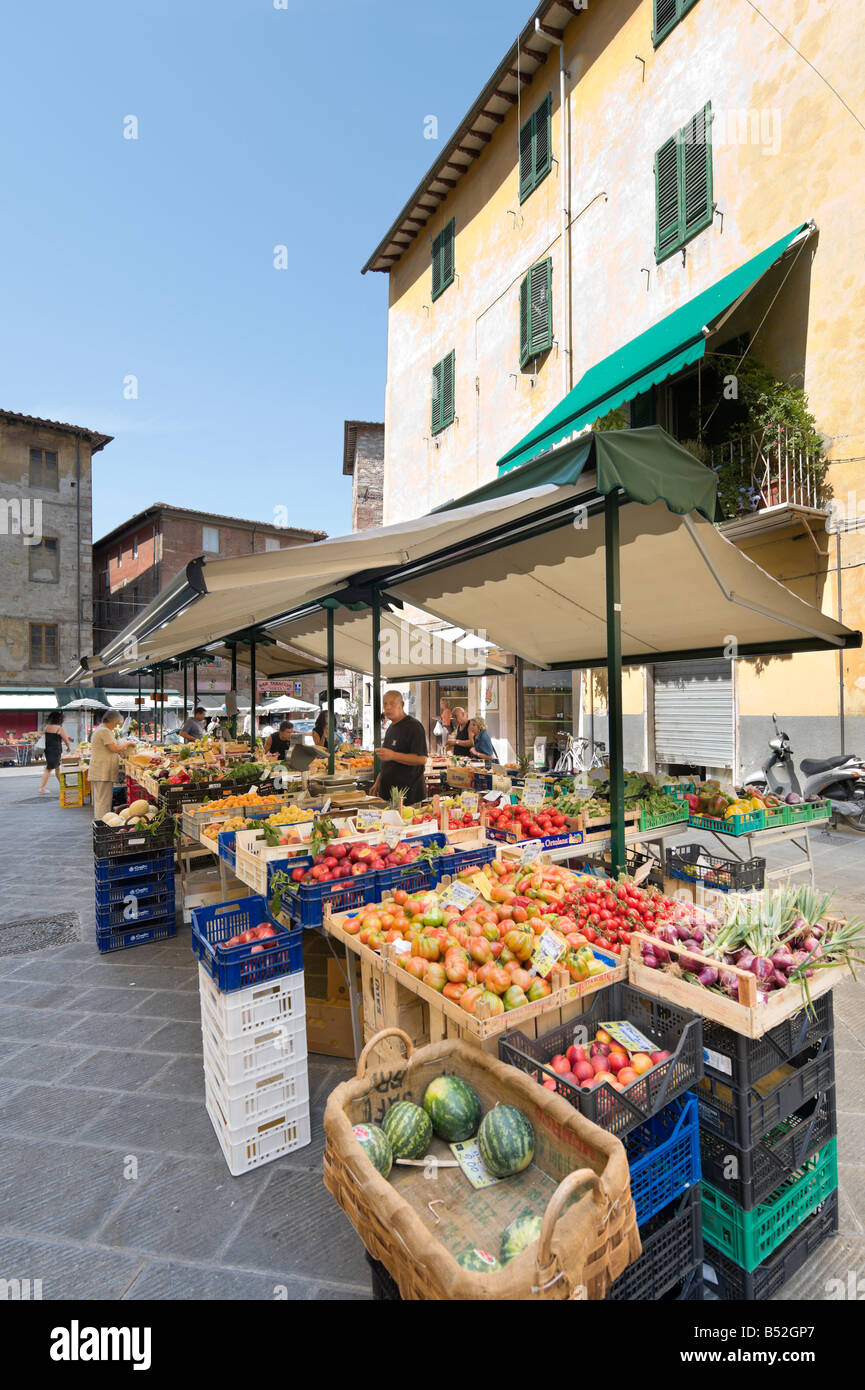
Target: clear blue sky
{"x": 154, "y": 257}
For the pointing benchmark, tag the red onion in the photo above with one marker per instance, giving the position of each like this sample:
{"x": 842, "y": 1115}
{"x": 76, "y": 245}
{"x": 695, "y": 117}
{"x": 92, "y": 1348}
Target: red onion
{"x": 745, "y": 960}
{"x": 708, "y": 975}
{"x": 782, "y": 960}
{"x": 729, "y": 983}
{"x": 761, "y": 967}
{"x": 683, "y": 931}
{"x": 661, "y": 955}
{"x": 668, "y": 933}
{"x": 811, "y": 944}
{"x": 652, "y": 962}
{"x": 689, "y": 963}
{"x": 698, "y": 935}
{"x": 780, "y": 979}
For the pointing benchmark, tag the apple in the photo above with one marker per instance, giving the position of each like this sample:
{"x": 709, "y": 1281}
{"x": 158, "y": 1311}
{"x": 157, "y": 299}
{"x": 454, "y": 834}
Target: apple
{"x": 626, "y": 1076}
{"x": 583, "y": 1071}
{"x": 560, "y": 1064}
{"x": 659, "y": 1057}
{"x": 549, "y": 1083}
{"x": 572, "y": 1055}
{"x": 641, "y": 1062}
{"x": 600, "y": 1063}
{"x": 298, "y": 875}
{"x": 617, "y": 1061}
{"x": 599, "y": 1050}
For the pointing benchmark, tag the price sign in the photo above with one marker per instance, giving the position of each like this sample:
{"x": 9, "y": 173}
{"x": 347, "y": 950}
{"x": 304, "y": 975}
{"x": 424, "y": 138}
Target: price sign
{"x": 630, "y": 1037}
{"x": 483, "y": 883}
{"x": 325, "y": 806}
{"x": 497, "y": 796}
{"x": 531, "y": 850}
{"x": 469, "y": 802}
{"x": 545, "y": 952}
{"x": 534, "y": 794}
{"x": 468, "y": 1157}
{"x": 392, "y": 835}
{"x": 458, "y": 895}
{"x": 368, "y": 818}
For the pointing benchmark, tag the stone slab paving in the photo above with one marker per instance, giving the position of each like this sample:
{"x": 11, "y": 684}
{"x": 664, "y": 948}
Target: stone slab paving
{"x": 102, "y": 1097}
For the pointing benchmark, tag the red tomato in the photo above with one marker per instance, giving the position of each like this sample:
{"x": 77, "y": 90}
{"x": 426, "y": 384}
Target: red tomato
{"x": 616, "y": 948}
{"x": 625, "y": 938}
{"x": 590, "y": 934}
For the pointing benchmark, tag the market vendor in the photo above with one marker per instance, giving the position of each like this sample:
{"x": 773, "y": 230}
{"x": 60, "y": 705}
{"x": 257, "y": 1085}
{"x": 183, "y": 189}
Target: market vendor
{"x": 481, "y": 744}
{"x": 459, "y": 741}
{"x": 105, "y": 762}
{"x": 193, "y": 729}
{"x": 403, "y": 753}
{"x": 279, "y": 743}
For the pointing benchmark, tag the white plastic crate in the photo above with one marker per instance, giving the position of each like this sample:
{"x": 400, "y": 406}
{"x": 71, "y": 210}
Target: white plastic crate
{"x": 245, "y": 1011}
{"x": 258, "y": 1098}
{"x": 261, "y": 1141}
{"x": 254, "y": 1054}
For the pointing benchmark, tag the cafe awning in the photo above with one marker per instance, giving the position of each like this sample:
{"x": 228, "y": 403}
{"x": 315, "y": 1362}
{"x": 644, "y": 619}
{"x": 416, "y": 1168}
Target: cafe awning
{"x": 676, "y": 342}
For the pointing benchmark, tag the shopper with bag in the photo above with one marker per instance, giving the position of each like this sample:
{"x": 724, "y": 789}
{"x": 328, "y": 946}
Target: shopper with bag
{"x": 55, "y": 737}
{"x": 443, "y": 726}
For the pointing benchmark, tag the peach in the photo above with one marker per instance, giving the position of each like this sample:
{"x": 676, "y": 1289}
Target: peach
{"x": 600, "y": 1064}
{"x": 641, "y": 1062}
{"x": 626, "y": 1076}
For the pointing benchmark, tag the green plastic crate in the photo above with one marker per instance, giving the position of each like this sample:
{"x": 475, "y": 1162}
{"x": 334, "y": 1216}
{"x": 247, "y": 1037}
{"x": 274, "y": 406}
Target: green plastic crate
{"x": 742, "y": 825}
{"x": 679, "y": 789}
{"x": 749, "y": 1237}
{"x": 649, "y": 822}
{"x": 802, "y": 814}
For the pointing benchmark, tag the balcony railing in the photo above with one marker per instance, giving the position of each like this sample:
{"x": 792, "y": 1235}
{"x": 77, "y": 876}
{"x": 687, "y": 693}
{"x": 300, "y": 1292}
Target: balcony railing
{"x": 774, "y": 468}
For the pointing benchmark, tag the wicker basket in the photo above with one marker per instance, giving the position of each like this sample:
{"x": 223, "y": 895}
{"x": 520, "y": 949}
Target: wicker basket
{"x": 408, "y": 1222}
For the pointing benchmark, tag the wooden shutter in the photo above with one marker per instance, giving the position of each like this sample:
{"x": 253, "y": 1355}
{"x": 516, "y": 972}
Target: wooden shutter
{"x": 667, "y": 230}
{"x": 536, "y": 311}
{"x": 443, "y": 260}
{"x": 524, "y": 321}
{"x": 695, "y": 155}
{"x": 543, "y": 150}
{"x": 435, "y": 422}
{"x": 667, "y": 15}
{"x": 436, "y": 266}
{"x": 526, "y": 158}
{"x": 447, "y": 399}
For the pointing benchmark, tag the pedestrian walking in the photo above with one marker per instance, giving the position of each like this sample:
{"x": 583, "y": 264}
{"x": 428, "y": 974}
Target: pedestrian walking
{"x": 55, "y": 737}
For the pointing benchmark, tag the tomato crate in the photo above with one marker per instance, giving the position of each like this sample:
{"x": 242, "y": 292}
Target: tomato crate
{"x": 664, "y": 1157}
{"x": 760, "y": 1171}
{"x": 246, "y": 1011}
{"x": 749, "y": 1237}
{"x": 671, "y": 1028}
{"x": 743, "y": 1115}
{"x": 694, "y": 864}
{"x": 458, "y": 859}
{"x": 304, "y": 903}
{"x": 740, "y": 1061}
{"x": 139, "y": 866}
{"x": 239, "y": 967}
{"x": 121, "y": 890}
{"x": 109, "y": 843}
{"x": 136, "y": 911}
{"x": 732, "y": 1284}
{"x": 736, "y": 825}
{"x": 672, "y": 1252}
{"x": 654, "y": 822}
{"x": 120, "y": 939}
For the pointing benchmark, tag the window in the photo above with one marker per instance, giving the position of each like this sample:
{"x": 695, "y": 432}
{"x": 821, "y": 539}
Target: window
{"x": 45, "y": 561}
{"x": 43, "y": 469}
{"x": 667, "y": 15}
{"x": 210, "y": 539}
{"x": 272, "y": 543}
{"x": 443, "y": 260}
{"x": 536, "y": 311}
{"x": 683, "y": 184}
{"x": 43, "y": 644}
{"x": 135, "y": 549}
{"x": 535, "y": 149}
{"x": 443, "y": 393}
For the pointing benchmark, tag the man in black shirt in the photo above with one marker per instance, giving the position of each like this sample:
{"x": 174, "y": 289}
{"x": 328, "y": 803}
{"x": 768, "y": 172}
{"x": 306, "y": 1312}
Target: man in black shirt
{"x": 403, "y": 753}
{"x": 459, "y": 741}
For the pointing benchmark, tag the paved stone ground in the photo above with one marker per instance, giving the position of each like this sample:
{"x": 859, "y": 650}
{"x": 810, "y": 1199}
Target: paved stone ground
{"x": 100, "y": 1061}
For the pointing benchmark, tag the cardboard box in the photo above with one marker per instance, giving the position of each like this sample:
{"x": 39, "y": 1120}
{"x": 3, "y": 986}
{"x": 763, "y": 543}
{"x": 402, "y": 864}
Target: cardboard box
{"x": 328, "y": 1028}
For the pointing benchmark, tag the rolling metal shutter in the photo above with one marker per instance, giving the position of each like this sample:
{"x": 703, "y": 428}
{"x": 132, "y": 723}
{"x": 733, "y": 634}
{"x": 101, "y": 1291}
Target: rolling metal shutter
{"x": 694, "y": 713}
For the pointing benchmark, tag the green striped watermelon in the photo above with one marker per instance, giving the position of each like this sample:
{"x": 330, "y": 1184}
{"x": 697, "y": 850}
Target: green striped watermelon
{"x": 521, "y": 1233}
{"x": 506, "y": 1141}
{"x": 376, "y": 1146}
{"x": 481, "y": 1261}
{"x": 453, "y": 1107}
{"x": 409, "y": 1129}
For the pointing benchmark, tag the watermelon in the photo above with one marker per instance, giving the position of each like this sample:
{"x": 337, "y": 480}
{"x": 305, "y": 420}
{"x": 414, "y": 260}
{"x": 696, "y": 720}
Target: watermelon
{"x": 453, "y": 1107}
{"x": 376, "y": 1146}
{"x": 408, "y": 1128}
{"x": 481, "y": 1261}
{"x": 521, "y": 1233}
{"x": 506, "y": 1141}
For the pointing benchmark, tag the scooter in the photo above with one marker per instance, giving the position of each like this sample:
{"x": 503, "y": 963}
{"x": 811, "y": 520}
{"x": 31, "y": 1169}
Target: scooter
{"x": 839, "y": 779}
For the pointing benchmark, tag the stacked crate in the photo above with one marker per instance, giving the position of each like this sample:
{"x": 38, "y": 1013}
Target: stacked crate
{"x": 253, "y": 1025}
{"x": 134, "y": 887}
{"x": 769, "y": 1151}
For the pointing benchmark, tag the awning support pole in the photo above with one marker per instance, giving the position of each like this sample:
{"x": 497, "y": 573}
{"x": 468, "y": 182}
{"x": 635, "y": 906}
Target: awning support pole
{"x": 155, "y": 704}
{"x": 234, "y": 687}
{"x": 614, "y": 681}
{"x": 161, "y": 703}
{"x": 376, "y": 675}
{"x": 185, "y": 690}
{"x": 140, "y": 709}
{"x": 252, "y": 712}
{"x": 331, "y": 717}
{"x": 194, "y": 686}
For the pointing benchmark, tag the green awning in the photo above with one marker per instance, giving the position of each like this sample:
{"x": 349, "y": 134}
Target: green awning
{"x": 678, "y": 341}
{"x": 67, "y": 693}
{"x": 647, "y": 463}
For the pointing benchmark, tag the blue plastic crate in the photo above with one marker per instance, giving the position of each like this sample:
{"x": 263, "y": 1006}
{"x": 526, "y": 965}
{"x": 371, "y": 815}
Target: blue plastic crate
{"x": 238, "y": 967}
{"x": 227, "y": 841}
{"x": 121, "y": 940}
{"x": 146, "y": 910}
{"x": 454, "y": 862}
{"x": 145, "y": 866}
{"x": 664, "y": 1156}
{"x": 304, "y": 902}
{"x": 154, "y": 886}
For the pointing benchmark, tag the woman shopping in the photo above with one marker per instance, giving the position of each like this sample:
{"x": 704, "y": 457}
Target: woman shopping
{"x": 105, "y": 761}
{"x": 55, "y": 737}
{"x": 481, "y": 744}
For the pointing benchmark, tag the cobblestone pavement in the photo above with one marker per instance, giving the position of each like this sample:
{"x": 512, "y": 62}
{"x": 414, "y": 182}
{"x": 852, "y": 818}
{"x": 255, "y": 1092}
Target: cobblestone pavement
{"x": 100, "y": 1063}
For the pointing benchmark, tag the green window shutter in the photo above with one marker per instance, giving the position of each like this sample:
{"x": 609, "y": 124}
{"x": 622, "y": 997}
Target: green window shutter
{"x": 443, "y": 393}
{"x": 524, "y": 321}
{"x": 536, "y": 154}
{"x": 667, "y": 14}
{"x": 667, "y": 231}
{"x": 443, "y": 260}
{"x": 536, "y": 311}
{"x": 695, "y": 158}
{"x": 527, "y": 145}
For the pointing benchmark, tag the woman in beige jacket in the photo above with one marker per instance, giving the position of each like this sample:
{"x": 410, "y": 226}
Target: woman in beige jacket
{"x": 105, "y": 761}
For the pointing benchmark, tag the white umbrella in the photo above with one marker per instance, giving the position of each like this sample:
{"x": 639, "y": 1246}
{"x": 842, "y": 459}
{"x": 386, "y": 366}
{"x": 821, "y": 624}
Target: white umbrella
{"x": 284, "y": 704}
{"x": 86, "y": 703}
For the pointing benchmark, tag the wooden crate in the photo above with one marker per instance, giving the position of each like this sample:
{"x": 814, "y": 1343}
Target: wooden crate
{"x": 748, "y": 1017}
{"x": 600, "y": 827}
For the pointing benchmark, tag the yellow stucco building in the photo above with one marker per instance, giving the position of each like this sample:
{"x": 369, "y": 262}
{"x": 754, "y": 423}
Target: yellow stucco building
{"x": 625, "y": 157}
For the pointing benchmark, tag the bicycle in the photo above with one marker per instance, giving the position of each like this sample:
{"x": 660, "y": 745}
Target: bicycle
{"x": 574, "y": 759}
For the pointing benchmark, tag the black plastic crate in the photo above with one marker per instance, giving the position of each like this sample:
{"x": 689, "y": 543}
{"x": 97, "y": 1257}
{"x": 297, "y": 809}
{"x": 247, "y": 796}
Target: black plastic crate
{"x": 174, "y": 797}
{"x": 634, "y": 860}
{"x": 750, "y": 1176}
{"x": 743, "y": 1115}
{"x": 383, "y": 1287}
{"x": 741, "y": 1061}
{"x": 672, "y": 1252}
{"x": 688, "y": 1290}
{"x": 728, "y": 1282}
{"x": 694, "y": 864}
{"x": 671, "y": 1028}
{"x": 110, "y": 842}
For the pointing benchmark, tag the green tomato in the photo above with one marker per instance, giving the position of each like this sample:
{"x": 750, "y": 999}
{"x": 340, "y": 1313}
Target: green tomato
{"x": 434, "y": 918}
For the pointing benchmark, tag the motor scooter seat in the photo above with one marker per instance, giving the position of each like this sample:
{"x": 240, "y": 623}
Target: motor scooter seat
{"x": 811, "y": 766}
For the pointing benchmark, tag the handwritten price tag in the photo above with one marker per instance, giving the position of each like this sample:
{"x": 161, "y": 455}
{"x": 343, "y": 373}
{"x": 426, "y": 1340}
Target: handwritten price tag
{"x": 483, "y": 883}
{"x": 534, "y": 794}
{"x": 469, "y": 802}
{"x": 546, "y": 951}
{"x": 531, "y": 850}
{"x": 368, "y": 819}
{"x": 392, "y": 835}
{"x": 468, "y": 1157}
{"x": 458, "y": 895}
